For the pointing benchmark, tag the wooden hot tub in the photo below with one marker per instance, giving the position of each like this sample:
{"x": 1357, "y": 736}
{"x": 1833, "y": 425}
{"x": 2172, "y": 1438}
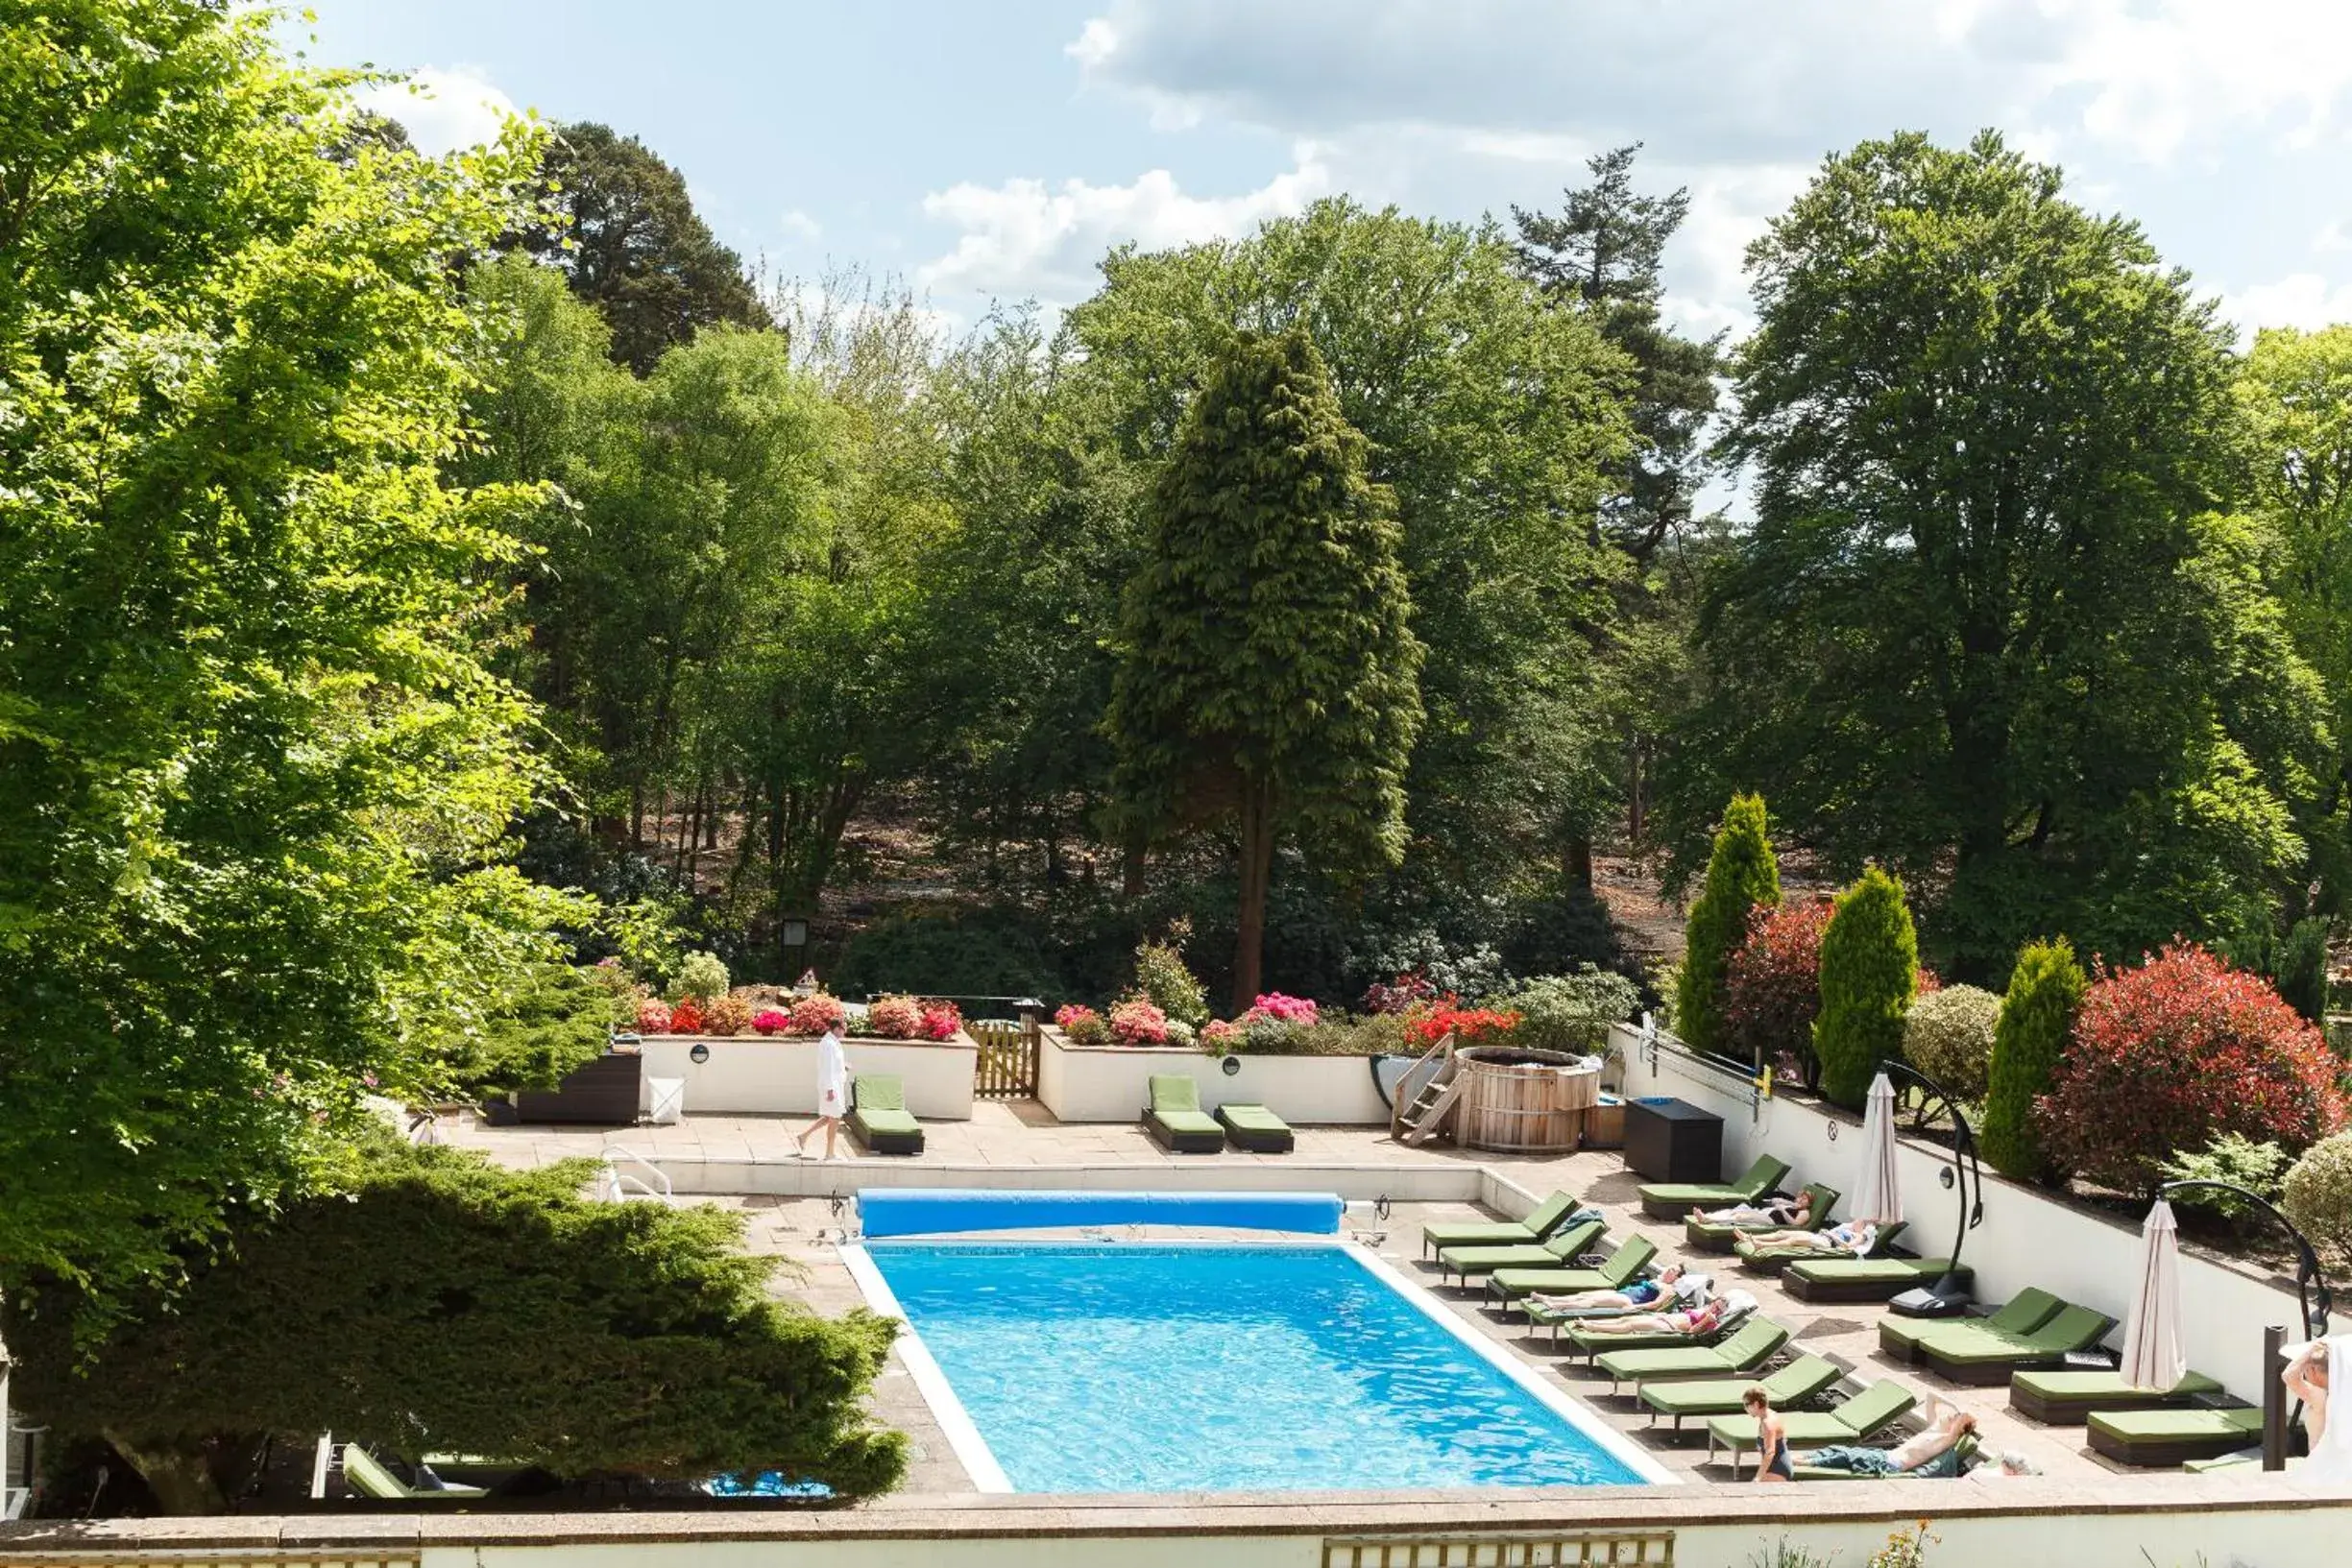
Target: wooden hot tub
{"x": 1516, "y": 1100}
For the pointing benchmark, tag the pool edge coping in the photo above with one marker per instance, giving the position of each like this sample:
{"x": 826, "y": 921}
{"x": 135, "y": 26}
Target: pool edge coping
{"x": 956, "y": 1423}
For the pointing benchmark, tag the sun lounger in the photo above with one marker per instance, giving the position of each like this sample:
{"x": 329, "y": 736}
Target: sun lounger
{"x": 1801, "y": 1380}
{"x": 2151, "y": 1437}
{"x": 367, "y": 1476}
{"x": 1671, "y": 1201}
{"x": 2028, "y": 1310}
{"x": 1544, "y": 1219}
{"x": 1867, "y": 1279}
{"x": 1762, "y": 1254}
{"x": 2061, "y": 1398}
{"x": 1962, "y": 1454}
{"x": 1712, "y": 1236}
{"x": 1875, "y": 1406}
{"x": 1557, "y": 1251}
{"x": 1581, "y": 1339}
{"x": 1623, "y": 1265}
{"x": 1742, "y": 1351}
{"x": 878, "y": 1115}
{"x": 1256, "y": 1128}
{"x": 1986, "y": 1358}
{"x": 1175, "y": 1117}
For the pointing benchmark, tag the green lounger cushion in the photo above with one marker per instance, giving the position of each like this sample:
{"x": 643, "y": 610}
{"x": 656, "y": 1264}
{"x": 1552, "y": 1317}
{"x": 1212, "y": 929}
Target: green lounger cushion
{"x": 1580, "y": 1342}
{"x": 1556, "y": 1252}
{"x": 366, "y": 1476}
{"x": 1671, "y": 1201}
{"x": 879, "y": 1117}
{"x": 1867, "y": 1279}
{"x": 2027, "y": 1311}
{"x": 1544, "y": 1219}
{"x": 1743, "y": 1350}
{"x": 1175, "y": 1119}
{"x": 2142, "y": 1437}
{"x": 1256, "y": 1128}
{"x": 1712, "y": 1236}
{"x": 1977, "y": 1345}
{"x": 1798, "y": 1381}
{"x": 1874, "y": 1408}
{"x": 1623, "y": 1265}
{"x": 2058, "y": 1397}
{"x": 1765, "y": 1256}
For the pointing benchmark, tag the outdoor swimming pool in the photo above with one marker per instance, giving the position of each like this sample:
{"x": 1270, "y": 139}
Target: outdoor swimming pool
{"x": 1205, "y": 1367}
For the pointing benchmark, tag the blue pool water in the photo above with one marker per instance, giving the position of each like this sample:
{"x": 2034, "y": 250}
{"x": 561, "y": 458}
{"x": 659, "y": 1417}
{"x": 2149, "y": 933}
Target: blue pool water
{"x": 1221, "y": 1368}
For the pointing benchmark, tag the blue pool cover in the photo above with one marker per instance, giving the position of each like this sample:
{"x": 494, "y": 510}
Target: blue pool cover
{"x": 921, "y": 1210}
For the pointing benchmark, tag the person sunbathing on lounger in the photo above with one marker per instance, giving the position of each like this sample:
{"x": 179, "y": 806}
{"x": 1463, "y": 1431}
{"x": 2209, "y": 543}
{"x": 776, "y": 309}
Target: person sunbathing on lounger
{"x": 1782, "y": 1212}
{"x": 1691, "y": 1320}
{"x": 1847, "y": 1236}
{"x": 1670, "y": 1281}
{"x": 1932, "y": 1452}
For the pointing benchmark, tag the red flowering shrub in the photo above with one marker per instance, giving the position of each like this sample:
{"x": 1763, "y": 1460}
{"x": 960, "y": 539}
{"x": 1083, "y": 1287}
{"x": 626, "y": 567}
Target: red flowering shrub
{"x": 941, "y": 1021}
{"x": 1083, "y": 1025}
{"x": 894, "y": 1018}
{"x": 817, "y": 1013}
{"x": 1772, "y": 988}
{"x": 685, "y": 1017}
{"x": 653, "y": 1016}
{"x": 1137, "y": 1021}
{"x": 1468, "y": 1026}
{"x": 769, "y": 1021}
{"x": 2168, "y": 1057}
{"x": 1398, "y": 995}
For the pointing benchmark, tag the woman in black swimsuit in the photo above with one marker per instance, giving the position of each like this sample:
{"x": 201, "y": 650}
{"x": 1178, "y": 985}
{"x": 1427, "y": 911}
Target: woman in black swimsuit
{"x": 1772, "y": 1460}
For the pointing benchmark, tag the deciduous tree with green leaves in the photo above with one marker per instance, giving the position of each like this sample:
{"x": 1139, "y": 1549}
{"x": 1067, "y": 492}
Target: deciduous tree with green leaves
{"x": 1741, "y": 875}
{"x": 1868, "y": 974}
{"x": 1267, "y": 669}
{"x": 2037, "y": 1018}
{"x": 264, "y": 778}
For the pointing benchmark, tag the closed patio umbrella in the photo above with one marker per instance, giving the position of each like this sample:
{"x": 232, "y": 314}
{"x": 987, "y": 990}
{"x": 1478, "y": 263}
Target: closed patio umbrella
{"x": 1878, "y": 1201}
{"x": 2152, "y": 1356}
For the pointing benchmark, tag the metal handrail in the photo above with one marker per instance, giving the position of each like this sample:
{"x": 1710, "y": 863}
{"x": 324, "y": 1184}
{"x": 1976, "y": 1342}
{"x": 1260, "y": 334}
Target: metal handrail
{"x": 2311, "y": 1287}
{"x": 618, "y": 1183}
{"x": 1658, "y": 1045}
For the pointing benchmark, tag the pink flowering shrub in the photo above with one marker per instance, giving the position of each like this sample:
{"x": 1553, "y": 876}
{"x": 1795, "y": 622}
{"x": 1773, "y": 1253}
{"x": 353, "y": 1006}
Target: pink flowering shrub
{"x": 1082, "y": 1024}
{"x": 815, "y": 1014}
{"x": 769, "y": 1021}
{"x": 1274, "y": 1004}
{"x": 653, "y": 1016}
{"x": 1220, "y": 1034}
{"x": 1137, "y": 1021}
{"x": 940, "y": 1021}
{"x": 894, "y": 1018}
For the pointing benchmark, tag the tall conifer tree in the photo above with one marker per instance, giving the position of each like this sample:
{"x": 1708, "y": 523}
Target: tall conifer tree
{"x": 1740, "y": 875}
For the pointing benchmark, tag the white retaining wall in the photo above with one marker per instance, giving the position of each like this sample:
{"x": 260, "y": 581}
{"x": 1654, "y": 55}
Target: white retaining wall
{"x": 1107, "y": 1083}
{"x": 2028, "y": 1237}
{"x": 749, "y": 1075}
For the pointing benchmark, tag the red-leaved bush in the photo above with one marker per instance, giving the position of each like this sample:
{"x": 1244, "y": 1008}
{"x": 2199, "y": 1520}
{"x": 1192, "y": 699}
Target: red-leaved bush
{"x": 1772, "y": 988}
{"x": 818, "y": 1013}
{"x": 2170, "y": 1055}
{"x": 894, "y": 1018}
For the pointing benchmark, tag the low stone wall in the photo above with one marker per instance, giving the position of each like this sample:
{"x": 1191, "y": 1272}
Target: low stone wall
{"x": 1107, "y": 1083}
{"x": 755, "y": 1075}
{"x": 2028, "y": 1236}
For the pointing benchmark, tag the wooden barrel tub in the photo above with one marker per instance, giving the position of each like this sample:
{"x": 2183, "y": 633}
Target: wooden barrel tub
{"x": 1522, "y": 1102}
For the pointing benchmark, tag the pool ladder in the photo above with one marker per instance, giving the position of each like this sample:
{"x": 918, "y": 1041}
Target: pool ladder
{"x": 620, "y": 1181}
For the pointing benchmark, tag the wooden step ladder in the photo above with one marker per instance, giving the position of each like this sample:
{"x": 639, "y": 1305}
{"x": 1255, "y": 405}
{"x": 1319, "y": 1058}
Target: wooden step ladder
{"x": 1425, "y": 1114}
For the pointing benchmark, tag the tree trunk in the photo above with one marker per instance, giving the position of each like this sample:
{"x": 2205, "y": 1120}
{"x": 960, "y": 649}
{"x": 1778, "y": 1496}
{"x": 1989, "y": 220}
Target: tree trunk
{"x": 1577, "y": 861}
{"x": 1636, "y": 813}
{"x": 1130, "y": 868}
{"x": 180, "y": 1473}
{"x": 1257, "y": 871}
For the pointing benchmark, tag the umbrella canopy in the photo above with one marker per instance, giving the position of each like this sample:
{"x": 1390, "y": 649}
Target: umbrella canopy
{"x": 1879, "y": 1200}
{"x": 2152, "y": 1356}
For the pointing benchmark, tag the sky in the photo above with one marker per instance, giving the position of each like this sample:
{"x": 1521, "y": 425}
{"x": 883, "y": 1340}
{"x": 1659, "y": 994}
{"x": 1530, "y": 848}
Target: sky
{"x": 993, "y": 149}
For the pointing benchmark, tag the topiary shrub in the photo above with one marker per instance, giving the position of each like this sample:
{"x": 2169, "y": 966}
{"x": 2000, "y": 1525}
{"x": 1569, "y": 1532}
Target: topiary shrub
{"x": 1571, "y": 1012}
{"x": 1947, "y": 1035}
{"x": 443, "y": 1304}
{"x": 701, "y": 978}
{"x": 2037, "y": 1014}
{"x": 2317, "y": 1193}
{"x": 1773, "y": 989}
{"x": 1869, "y": 976}
{"x": 2167, "y": 1057}
{"x": 1740, "y": 876}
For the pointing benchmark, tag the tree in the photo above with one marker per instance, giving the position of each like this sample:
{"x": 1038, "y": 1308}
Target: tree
{"x": 1266, "y": 672}
{"x": 633, "y": 246}
{"x": 1868, "y": 974}
{"x": 265, "y": 775}
{"x": 2037, "y": 1018}
{"x": 447, "y": 1305}
{"x": 1986, "y": 626}
{"x": 1741, "y": 877}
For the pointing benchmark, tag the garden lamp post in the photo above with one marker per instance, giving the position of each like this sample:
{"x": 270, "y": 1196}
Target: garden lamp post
{"x": 1949, "y": 1294}
{"x": 2311, "y": 1295}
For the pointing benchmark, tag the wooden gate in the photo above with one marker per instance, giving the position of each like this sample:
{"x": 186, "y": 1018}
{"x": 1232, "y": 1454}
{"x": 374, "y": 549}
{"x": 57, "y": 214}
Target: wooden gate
{"x": 1008, "y": 1068}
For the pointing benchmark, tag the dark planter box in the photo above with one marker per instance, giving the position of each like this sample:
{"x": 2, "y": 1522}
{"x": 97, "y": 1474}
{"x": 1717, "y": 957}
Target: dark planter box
{"x": 1667, "y": 1140}
{"x": 603, "y": 1094}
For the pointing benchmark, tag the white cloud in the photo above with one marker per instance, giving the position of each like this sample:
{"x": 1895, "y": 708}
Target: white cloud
{"x": 442, "y": 109}
{"x": 2300, "y": 300}
{"x": 800, "y": 225}
{"x": 1028, "y": 239}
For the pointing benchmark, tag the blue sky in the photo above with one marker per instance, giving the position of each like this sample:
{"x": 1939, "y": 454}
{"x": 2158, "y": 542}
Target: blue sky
{"x": 994, "y": 150}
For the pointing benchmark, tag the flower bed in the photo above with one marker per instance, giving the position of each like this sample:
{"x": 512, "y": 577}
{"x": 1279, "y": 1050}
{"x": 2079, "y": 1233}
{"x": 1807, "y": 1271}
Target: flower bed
{"x": 756, "y": 1075}
{"x": 1108, "y": 1082}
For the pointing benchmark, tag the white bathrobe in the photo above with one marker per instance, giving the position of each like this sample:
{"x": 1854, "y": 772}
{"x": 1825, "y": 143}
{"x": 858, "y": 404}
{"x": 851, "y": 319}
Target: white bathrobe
{"x": 832, "y": 1076}
{"x": 2330, "y": 1463}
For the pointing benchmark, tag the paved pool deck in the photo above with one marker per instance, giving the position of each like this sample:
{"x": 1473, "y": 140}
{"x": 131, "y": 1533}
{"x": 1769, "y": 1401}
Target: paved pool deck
{"x": 1020, "y": 1135}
